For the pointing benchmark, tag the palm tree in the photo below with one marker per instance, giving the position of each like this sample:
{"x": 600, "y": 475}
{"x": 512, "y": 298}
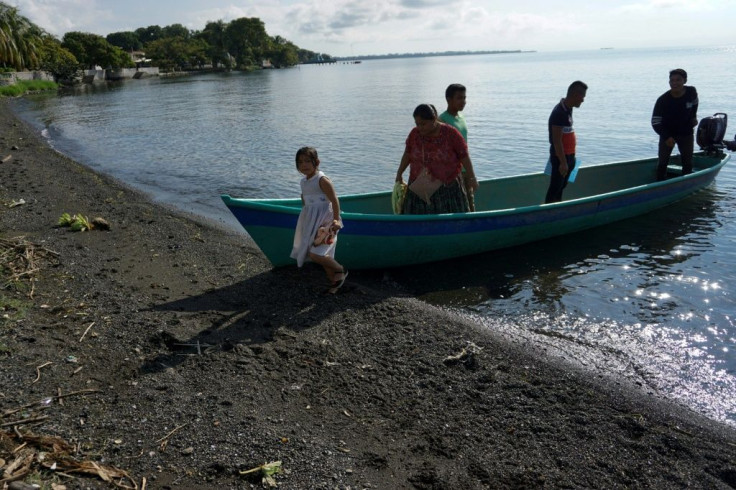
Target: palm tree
{"x": 19, "y": 39}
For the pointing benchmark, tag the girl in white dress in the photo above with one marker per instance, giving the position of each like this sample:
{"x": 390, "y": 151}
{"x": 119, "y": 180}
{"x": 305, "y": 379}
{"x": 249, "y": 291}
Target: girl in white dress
{"x": 319, "y": 221}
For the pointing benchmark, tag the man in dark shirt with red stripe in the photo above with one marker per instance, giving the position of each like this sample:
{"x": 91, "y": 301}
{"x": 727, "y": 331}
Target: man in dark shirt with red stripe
{"x": 562, "y": 140}
{"x": 674, "y": 117}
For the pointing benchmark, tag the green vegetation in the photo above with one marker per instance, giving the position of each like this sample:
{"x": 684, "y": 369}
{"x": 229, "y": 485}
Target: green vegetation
{"x": 19, "y": 39}
{"x": 22, "y": 87}
{"x": 58, "y": 61}
{"x": 240, "y": 44}
{"x": 25, "y": 46}
{"x": 78, "y": 222}
{"x": 92, "y": 50}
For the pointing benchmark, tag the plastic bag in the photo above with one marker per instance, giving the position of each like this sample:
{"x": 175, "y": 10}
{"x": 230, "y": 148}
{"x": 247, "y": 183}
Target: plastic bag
{"x": 425, "y": 185}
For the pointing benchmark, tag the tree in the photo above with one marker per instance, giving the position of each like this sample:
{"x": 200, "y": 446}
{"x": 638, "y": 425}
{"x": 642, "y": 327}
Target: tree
{"x": 169, "y": 53}
{"x": 214, "y": 34}
{"x": 197, "y": 50}
{"x": 175, "y": 30}
{"x": 57, "y": 60}
{"x": 19, "y": 39}
{"x": 283, "y": 52}
{"x": 92, "y": 50}
{"x": 149, "y": 34}
{"x": 247, "y": 40}
{"x": 126, "y": 40}
{"x": 305, "y": 55}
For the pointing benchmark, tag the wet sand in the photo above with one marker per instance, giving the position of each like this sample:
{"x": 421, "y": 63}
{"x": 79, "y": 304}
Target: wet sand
{"x": 190, "y": 359}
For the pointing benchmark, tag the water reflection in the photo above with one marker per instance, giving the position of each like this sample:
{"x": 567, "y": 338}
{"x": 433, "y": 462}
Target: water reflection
{"x": 542, "y": 268}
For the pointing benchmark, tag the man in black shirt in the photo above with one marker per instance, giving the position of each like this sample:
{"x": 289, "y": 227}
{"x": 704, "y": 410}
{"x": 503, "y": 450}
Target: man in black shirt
{"x": 674, "y": 117}
{"x": 562, "y": 140}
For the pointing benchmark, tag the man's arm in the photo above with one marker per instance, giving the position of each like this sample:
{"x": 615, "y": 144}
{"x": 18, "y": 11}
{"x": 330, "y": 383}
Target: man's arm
{"x": 695, "y": 108}
{"x": 657, "y": 119}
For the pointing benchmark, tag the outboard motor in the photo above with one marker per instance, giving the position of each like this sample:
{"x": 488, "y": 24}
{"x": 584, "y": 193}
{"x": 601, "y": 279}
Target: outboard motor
{"x": 711, "y": 131}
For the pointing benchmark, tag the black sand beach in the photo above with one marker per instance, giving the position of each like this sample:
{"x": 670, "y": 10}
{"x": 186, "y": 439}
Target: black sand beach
{"x": 167, "y": 353}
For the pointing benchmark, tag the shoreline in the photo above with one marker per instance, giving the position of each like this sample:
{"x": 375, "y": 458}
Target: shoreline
{"x": 190, "y": 327}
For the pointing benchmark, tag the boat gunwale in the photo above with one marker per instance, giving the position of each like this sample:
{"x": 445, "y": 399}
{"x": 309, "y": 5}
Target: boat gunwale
{"x": 294, "y": 205}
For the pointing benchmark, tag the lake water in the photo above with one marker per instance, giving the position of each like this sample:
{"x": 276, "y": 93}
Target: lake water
{"x": 651, "y": 297}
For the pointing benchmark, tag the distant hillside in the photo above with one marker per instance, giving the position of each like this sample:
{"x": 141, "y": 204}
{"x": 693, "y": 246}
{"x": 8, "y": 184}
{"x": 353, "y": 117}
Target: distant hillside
{"x": 423, "y": 55}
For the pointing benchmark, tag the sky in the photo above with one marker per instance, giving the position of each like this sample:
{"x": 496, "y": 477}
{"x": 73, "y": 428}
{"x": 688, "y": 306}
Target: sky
{"x": 364, "y": 27}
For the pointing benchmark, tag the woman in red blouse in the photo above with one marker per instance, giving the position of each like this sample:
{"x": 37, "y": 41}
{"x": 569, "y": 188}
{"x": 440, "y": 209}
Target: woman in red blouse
{"x": 435, "y": 154}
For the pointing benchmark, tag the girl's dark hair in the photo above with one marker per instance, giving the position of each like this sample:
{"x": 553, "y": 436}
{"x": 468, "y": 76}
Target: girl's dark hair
{"x": 425, "y": 111}
{"x": 310, "y": 151}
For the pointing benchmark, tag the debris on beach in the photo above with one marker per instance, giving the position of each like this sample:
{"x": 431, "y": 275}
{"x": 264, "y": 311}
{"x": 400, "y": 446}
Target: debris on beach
{"x": 29, "y": 453}
{"x": 22, "y": 259}
{"x": 24, "y": 454}
{"x": 100, "y": 224}
{"x": 79, "y": 222}
{"x": 266, "y": 471}
{"x": 466, "y": 356}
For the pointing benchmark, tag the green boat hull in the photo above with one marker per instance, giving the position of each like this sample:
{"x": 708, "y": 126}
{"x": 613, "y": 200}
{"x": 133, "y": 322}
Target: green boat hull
{"x": 509, "y": 212}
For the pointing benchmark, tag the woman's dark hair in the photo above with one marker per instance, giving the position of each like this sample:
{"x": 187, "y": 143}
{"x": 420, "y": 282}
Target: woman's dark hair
{"x": 310, "y": 151}
{"x": 425, "y": 111}
{"x": 681, "y": 72}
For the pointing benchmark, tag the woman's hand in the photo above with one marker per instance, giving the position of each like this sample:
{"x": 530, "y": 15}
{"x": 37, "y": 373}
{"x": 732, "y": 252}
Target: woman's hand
{"x": 402, "y": 166}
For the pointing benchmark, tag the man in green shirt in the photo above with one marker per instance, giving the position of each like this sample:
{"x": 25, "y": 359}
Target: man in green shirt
{"x": 455, "y": 97}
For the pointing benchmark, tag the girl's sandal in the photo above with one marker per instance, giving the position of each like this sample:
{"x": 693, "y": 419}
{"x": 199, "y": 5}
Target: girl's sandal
{"x": 338, "y": 284}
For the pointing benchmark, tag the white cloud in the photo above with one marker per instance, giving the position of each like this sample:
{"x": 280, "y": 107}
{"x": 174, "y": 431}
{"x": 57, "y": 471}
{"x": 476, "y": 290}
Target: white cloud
{"x": 61, "y": 16}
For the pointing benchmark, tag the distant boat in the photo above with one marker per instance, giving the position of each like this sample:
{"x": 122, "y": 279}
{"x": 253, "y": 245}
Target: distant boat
{"x": 606, "y": 48}
{"x": 509, "y": 213}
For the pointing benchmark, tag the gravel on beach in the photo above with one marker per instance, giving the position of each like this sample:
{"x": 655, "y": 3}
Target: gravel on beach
{"x": 166, "y": 352}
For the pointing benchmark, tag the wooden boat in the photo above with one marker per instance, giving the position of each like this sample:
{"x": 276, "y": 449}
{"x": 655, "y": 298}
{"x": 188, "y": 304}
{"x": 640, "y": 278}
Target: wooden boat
{"x": 509, "y": 212}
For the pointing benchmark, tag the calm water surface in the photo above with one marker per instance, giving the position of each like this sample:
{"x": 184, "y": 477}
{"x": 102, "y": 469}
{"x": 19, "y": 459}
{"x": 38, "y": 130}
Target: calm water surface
{"x": 652, "y": 296}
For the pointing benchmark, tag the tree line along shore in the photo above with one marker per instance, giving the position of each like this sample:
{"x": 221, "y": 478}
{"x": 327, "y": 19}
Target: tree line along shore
{"x": 240, "y": 44}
